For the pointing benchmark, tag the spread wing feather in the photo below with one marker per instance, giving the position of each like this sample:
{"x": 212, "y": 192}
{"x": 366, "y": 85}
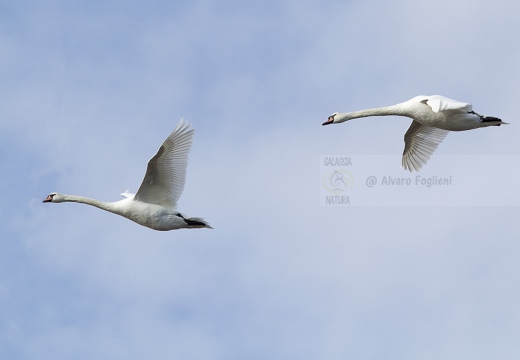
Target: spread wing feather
{"x": 166, "y": 172}
{"x": 420, "y": 141}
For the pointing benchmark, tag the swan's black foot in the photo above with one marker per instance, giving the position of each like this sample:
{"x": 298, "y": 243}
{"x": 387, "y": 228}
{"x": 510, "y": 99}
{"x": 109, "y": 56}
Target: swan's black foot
{"x": 484, "y": 118}
{"x": 491, "y": 119}
{"x": 193, "y": 222}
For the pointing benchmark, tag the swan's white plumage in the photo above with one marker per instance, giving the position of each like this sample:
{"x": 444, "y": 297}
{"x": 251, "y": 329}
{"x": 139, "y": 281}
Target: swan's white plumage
{"x": 420, "y": 143}
{"x": 166, "y": 172}
{"x": 433, "y": 117}
{"x": 155, "y": 203}
{"x": 441, "y": 103}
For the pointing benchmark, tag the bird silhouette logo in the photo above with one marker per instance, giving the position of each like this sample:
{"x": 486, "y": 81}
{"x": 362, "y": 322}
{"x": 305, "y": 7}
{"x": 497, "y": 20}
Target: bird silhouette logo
{"x": 338, "y": 181}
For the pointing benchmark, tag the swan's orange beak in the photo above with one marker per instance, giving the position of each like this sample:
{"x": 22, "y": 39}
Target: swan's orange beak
{"x": 330, "y": 120}
{"x": 48, "y": 199}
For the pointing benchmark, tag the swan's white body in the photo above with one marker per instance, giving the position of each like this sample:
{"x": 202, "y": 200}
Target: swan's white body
{"x": 433, "y": 117}
{"x": 155, "y": 203}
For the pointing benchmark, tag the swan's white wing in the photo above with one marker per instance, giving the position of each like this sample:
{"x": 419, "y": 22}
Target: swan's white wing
{"x": 166, "y": 172}
{"x": 440, "y": 103}
{"x": 420, "y": 141}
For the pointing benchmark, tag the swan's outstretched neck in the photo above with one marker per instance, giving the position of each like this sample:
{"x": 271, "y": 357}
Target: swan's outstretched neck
{"x": 108, "y": 206}
{"x": 380, "y": 111}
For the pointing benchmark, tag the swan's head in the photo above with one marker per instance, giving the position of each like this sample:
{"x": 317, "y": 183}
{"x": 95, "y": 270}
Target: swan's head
{"x": 53, "y": 197}
{"x": 336, "y": 118}
{"x": 330, "y": 120}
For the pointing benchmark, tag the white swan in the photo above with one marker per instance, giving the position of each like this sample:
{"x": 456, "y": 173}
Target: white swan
{"x": 155, "y": 203}
{"x": 433, "y": 117}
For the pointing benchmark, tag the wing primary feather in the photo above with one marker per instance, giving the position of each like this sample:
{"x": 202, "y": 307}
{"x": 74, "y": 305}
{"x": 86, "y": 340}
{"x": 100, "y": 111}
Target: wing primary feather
{"x": 165, "y": 175}
{"x": 420, "y": 143}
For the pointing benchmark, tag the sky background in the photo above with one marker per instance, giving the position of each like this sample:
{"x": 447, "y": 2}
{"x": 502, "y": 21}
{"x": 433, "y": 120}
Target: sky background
{"x": 90, "y": 89}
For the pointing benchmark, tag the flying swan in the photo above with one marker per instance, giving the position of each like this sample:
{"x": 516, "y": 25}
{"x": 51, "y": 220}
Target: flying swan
{"x": 155, "y": 203}
{"x": 433, "y": 117}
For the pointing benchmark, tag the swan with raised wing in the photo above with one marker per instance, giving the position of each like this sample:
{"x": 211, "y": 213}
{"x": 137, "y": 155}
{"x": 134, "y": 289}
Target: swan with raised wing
{"x": 155, "y": 203}
{"x": 433, "y": 117}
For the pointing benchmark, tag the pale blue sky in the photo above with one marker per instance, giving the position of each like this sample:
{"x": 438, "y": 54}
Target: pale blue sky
{"x": 91, "y": 89}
